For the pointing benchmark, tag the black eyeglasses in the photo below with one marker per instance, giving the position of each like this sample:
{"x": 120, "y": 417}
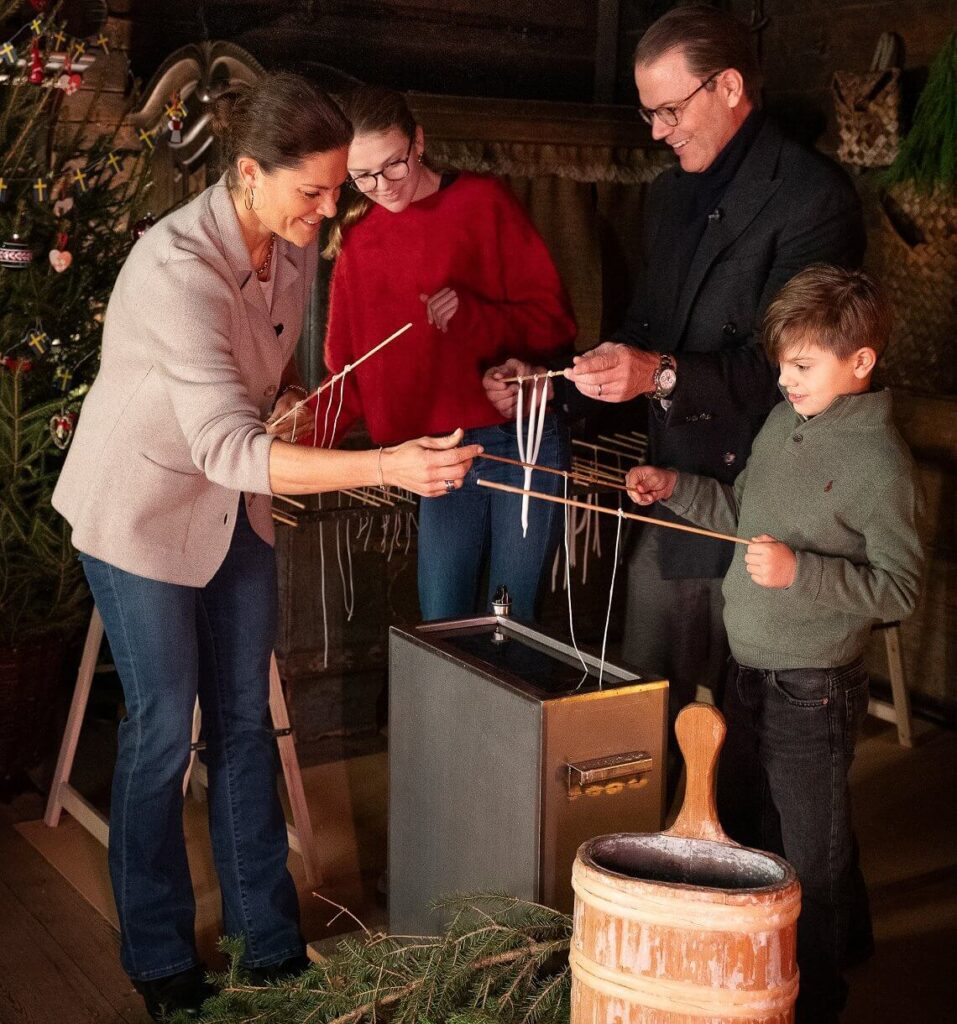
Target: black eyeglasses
{"x": 394, "y": 171}
{"x": 671, "y": 115}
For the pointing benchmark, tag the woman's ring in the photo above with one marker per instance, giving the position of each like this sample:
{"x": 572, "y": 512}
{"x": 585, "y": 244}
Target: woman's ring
{"x": 599, "y": 390}
{"x": 449, "y": 486}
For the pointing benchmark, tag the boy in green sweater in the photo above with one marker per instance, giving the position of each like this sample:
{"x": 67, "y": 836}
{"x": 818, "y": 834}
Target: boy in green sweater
{"x": 830, "y": 501}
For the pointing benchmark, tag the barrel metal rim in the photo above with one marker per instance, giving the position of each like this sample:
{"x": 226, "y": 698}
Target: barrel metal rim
{"x": 589, "y": 855}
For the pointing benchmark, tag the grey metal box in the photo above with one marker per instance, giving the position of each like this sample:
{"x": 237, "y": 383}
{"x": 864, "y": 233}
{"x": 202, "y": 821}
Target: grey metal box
{"x": 503, "y": 760}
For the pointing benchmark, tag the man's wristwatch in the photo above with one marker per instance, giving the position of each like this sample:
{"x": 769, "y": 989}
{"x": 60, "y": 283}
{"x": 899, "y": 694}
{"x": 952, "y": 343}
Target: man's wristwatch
{"x": 665, "y": 377}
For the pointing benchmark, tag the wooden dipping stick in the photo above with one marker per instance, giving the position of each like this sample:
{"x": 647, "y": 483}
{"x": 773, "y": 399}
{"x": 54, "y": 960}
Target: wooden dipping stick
{"x": 613, "y": 511}
{"x": 337, "y": 376}
{"x": 576, "y": 479}
{"x": 533, "y": 376}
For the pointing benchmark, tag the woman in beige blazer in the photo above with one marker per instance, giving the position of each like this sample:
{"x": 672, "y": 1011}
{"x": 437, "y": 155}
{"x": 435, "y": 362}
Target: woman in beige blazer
{"x": 167, "y": 487}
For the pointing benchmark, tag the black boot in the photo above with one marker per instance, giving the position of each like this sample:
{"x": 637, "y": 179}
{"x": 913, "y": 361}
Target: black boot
{"x": 184, "y": 992}
{"x": 283, "y": 971}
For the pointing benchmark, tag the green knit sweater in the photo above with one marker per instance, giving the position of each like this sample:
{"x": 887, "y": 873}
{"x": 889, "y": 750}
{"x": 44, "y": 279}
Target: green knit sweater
{"x": 840, "y": 490}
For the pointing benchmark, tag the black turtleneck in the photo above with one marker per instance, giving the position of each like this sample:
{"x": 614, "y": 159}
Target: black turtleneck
{"x": 697, "y": 195}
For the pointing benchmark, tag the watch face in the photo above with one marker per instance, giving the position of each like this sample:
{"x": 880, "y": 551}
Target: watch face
{"x": 667, "y": 380}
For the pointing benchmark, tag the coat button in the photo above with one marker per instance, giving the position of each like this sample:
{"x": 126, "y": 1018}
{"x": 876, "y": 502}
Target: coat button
{"x": 270, "y": 391}
{"x": 729, "y": 458}
{"x": 798, "y": 438}
{"x": 645, "y": 325}
{"x": 730, "y": 329}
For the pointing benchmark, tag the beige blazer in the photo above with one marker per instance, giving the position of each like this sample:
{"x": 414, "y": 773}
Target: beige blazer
{"x": 171, "y": 431}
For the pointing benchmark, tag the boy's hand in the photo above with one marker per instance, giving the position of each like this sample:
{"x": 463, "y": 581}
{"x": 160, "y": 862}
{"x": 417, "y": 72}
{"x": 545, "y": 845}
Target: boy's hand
{"x": 647, "y": 484}
{"x": 770, "y": 563}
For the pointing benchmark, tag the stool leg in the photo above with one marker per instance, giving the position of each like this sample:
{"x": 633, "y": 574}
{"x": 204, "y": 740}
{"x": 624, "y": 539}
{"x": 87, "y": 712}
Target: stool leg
{"x": 74, "y": 722}
{"x": 901, "y": 698}
{"x": 190, "y": 780}
{"x": 303, "y": 836}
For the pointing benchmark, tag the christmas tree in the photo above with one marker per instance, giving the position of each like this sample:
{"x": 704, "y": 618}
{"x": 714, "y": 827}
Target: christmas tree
{"x": 67, "y": 194}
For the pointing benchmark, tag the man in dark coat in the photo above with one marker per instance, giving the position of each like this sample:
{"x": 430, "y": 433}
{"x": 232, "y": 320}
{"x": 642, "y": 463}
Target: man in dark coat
{"x": 744, "y": 211}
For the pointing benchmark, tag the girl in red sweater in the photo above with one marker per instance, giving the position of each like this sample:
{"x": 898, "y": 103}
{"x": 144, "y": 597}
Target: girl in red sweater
{"x": 457, "y": 256}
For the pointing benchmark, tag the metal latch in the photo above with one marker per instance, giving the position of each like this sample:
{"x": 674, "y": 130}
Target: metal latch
{"x": 604, "y": 769}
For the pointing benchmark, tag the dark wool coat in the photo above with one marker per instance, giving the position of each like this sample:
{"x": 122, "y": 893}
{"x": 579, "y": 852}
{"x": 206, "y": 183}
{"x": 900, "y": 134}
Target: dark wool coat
{"x": 786, "y": 207}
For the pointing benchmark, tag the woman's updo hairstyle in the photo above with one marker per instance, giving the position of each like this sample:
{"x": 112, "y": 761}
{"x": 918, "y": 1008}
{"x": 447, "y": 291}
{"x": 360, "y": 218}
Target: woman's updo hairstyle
{"x": 372, "y": 110}
{"x": 277, "y": 121}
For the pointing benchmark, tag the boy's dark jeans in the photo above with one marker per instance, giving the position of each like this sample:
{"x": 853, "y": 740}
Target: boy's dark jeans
{"x": 783, "y": 787}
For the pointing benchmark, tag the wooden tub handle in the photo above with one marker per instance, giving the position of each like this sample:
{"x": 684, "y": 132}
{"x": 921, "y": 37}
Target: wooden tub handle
{"x": 700, "y": 730}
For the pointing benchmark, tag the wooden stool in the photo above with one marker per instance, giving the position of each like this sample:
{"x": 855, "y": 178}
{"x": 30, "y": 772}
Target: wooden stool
{"x": 897, "y": 711}
{"x": 64, "y": 797}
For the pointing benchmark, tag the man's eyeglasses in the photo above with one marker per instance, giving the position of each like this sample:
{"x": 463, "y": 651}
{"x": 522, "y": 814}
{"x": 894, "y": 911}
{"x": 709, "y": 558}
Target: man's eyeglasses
{"x": 671, "y": 115}
{"x": 394, "y": 171}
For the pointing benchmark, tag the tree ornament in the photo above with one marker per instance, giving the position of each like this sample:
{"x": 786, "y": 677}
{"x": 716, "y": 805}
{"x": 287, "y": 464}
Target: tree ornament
{"x": 175, "y": 112}
{"x": 15, "y": 255}
{"x": 63, "y": 377}
{"x": 3, "y": 190}
{"x": 8, "y": 54}
{"x": 37, "y": 339}
{"x": 62, "y": 425}
{"x": 70, "y": 80}
{"x": 36, "y": 64}
{"x": 60, "y": 259}
{"x": 15, "y": 364}
{"x": 39, "y": 5}
{"x": 40, "y": 188}
{"x": 63, "y": 206}
{"x": 141, "y": 226}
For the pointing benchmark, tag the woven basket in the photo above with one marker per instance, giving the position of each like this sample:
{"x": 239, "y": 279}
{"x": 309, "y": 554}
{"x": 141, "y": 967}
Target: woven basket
{"x": 867, "y": 105}
{"x": 916, "y": 254}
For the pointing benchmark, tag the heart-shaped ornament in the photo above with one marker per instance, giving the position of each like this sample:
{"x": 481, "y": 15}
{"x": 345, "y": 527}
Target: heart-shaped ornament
{"x": 60, "y": 260}
{"x": 62, "y": 426}
{"x": 62, "y": 206}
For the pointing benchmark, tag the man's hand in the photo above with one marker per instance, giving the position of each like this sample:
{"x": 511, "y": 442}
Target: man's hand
{"x": 770, "y": 563}
{"x": 441, "y": 307}
{"x": 613, "y": 372}
{"x": 505, "y": 396}
{"x": 647, "y": 484}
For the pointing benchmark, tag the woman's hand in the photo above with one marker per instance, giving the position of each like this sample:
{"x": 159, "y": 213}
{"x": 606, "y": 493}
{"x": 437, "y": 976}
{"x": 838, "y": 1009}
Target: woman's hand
{"x": 505, "y": 396}
{"x": 429, "y": 466}
{"x": 647, "y": 484}
{"x": 299, "y": 425}
{"x": 770, "y": 563}
{"x": 441, "y": 307}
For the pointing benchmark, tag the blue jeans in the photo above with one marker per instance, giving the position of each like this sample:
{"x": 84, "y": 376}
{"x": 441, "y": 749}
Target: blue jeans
{"x": 458, "y": 531}
{"x": 168, "y": 642}
{"x": 783, "y": 787}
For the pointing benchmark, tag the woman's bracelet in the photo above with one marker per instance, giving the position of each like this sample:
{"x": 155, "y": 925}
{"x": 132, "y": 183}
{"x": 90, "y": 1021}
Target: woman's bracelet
{"x": 294, "y": 387}
{"x": 379, "y": 467}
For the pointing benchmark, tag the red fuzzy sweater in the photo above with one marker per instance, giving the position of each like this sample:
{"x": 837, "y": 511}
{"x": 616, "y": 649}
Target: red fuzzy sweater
{"x": 472, "y": 236}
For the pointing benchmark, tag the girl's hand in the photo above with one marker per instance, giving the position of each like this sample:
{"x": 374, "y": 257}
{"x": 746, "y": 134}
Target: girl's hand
{"x": 505, "y": 396}
{"x": 441, "y": 307}
{"x": 429, "y": 466}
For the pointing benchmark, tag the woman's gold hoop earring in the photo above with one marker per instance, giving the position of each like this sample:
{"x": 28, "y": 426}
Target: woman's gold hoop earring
{"x": 249, "y": 197}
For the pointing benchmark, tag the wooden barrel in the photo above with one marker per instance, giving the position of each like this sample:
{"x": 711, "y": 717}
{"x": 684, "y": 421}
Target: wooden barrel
{"x": 684, "y": 926}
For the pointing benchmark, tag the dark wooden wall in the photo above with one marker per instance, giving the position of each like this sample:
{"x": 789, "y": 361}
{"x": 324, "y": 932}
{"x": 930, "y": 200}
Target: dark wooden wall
{"x": 518, "y": 48}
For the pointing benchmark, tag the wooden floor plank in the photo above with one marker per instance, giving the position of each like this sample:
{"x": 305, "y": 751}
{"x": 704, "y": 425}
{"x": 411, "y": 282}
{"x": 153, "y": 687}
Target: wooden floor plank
{"x": 56, "y": 955}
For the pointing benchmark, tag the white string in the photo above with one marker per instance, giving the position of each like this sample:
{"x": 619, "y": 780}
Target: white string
{"x": 322, "y": 590}
{"x": 568, "y": 584}
{"x": 611, "y": 595}
{"x": 528, "y": 452}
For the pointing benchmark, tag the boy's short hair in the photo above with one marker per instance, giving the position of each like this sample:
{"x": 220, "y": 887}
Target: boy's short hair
{"x": 844, "y": 310}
